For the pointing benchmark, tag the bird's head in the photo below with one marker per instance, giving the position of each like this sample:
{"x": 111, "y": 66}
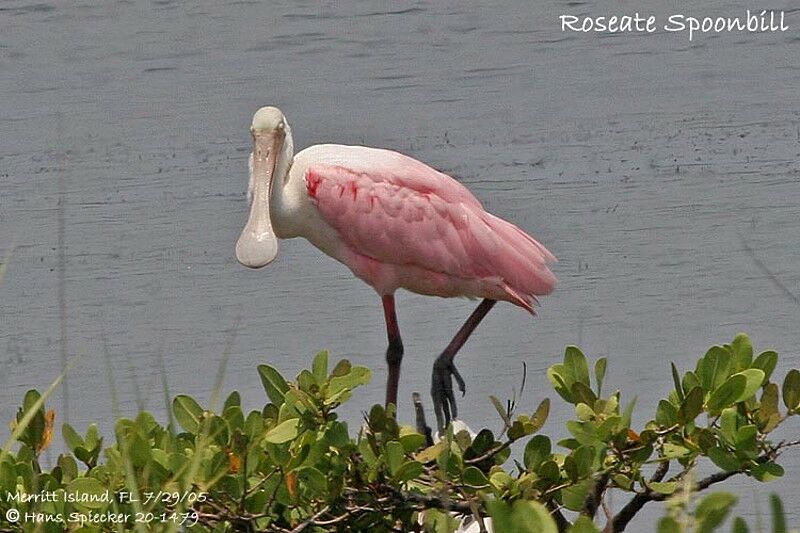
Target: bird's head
{"x": 269, "y": 162}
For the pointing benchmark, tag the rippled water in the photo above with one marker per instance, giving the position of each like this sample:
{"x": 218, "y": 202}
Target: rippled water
{"x": 645, "y": 163}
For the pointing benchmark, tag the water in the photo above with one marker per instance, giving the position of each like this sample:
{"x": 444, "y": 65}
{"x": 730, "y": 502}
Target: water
{"x": 643, "y": 162}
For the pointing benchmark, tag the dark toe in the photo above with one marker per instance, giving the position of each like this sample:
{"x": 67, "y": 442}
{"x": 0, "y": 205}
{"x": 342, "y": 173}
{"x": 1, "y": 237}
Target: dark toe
{"x": 444, "y": 400}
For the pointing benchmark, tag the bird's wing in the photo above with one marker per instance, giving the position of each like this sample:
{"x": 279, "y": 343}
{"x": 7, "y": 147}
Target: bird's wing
{"x": 397, "y": 210}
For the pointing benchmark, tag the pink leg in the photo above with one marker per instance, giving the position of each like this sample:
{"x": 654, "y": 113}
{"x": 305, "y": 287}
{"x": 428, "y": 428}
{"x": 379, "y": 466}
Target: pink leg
{"x": 444, "y": 401}
{"x": 394, "y": 353}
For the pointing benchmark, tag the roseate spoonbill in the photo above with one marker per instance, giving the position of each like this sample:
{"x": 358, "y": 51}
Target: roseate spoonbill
{"x": 396, "y": 223}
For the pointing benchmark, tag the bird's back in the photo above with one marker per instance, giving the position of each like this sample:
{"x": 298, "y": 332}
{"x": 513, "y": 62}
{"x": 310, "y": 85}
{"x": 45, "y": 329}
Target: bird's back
{"x": 404, "y": 224}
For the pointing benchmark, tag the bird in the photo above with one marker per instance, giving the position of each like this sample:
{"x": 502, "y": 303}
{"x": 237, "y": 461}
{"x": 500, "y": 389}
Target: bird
{"x": 396, "y": 223}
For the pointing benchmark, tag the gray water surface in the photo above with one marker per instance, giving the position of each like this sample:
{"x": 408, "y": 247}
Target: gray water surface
{"x": 645, "y": 163}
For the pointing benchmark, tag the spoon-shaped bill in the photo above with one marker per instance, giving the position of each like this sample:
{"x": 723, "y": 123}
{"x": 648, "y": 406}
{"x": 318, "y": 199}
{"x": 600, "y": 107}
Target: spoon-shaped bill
{"x": 257, "y": 245}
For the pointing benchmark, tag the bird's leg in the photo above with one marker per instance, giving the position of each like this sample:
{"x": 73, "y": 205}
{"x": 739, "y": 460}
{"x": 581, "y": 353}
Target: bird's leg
{"x": 394, "y": 353}
{"x": 444, "y": 401}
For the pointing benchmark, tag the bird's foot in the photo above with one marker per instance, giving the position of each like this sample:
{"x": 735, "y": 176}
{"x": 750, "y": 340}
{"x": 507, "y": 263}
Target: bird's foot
{"x": 444, "y": 401}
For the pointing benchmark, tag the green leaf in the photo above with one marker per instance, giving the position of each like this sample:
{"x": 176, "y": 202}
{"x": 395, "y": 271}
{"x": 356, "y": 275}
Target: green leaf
{"x": 755, "y": 378}
{"x": 778, "y": 516}
{"x": 8, "y": 477}
{"x": 729, "y": 424}
{"x": 432, "y": 452}
{"x": 188, "y": 413}
{"x": 482, "y": 442}
{"x": 791, "y": 389}
{"x": 575, "y": 363}
{"x": 501, "y": 410}
{"x": 283, "y": 432}
{"x": 692, "y": 405}
{"x": 690, "y": 380}
{"x": 746, "y": 439}
{"x": 274, "y": 384}
{"x": 728, "y": 393}
{"x": 740, "y": 526}
{"x": 767, "y": 472}
{"x": 358, "y": 375}
{"x": 523, "y": 516}
{"x": 742, "y": 351}
{"x": 395, "y": 455}
{"x": 769, "y": 403}
{"x": 570, "y": 468}
{"x": 712, "y": 510}
{"x": 583, "y": 460}
{"x": 436, "y": 521}
{"x": 555, "y": 374}
{"x": 600, "y": 373}
{"x": 71, "y": 437}
{"x": 500, "y": 479}
{"x": 714, "y": 368}
{"x": 411, "y": 440}
{"x": 306, "y": 381}
{"x": 582, "y": 393}
{"x": 584, "y": 412}
{"x": 313, "y": 480}
{"x": 233, "y": 400}
{"x": 583, "y": 524}
{"x": 669, "y": 525}
{"x": 665, "y": 487}
{"x": 539, "y": 416}
{"x": 537, "y": 451}
{"x": 625, "y": 420}
{"x": 69, "y": 469}
{"x": 92, "y": 493}
{"x": 724, "y": 459}
{"x": 623, "y": 481}
{"x": 234, "y": 417}
{"x": 677, "y": 381}
{"x": 474, "y": 477}
{"x": 575, "y": 495}
{"x": 342, "y": 368}
{"x": 674, "y": 451}
{"x": 666, "y": 414}
{"x": 408, "y": 471}
{"x": 766, "y": 361}
{"x": 139, "y": 451}
{"x": 320, "y": 367}
{"x": 549, "y": 471}
{"x": 584, "y": 432}
{"x": 218, "y": 430}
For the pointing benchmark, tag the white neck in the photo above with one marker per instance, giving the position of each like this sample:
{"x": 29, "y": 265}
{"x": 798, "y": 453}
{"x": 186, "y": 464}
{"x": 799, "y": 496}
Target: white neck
{"x": 278, "y": 201}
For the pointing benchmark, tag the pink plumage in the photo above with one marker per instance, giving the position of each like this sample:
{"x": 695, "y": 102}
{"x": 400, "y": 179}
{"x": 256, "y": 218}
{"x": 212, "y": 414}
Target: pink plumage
{"x": 403, "y": 224}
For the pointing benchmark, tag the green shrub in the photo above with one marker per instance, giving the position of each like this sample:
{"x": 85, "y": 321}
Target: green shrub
{"x": 294, "y": 466}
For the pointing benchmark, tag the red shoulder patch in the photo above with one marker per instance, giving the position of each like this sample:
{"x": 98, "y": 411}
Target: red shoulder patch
{"x": 312, "y": 183}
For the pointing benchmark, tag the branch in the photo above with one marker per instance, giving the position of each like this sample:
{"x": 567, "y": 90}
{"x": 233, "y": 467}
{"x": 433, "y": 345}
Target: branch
{"x": 435, "y": 502}
{"x": 703, "y": 484}
{"x": 637, "y": 502}
{"x": 311, "y": 520}
{"x": 595, "y": 496}
{"x": 561, "y": 523}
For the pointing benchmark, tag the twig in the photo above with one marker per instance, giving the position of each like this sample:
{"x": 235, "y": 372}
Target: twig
{"x": 490, "y": 453}
{"x": 310, "y": 521}
{"x": 772, "y": 277}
